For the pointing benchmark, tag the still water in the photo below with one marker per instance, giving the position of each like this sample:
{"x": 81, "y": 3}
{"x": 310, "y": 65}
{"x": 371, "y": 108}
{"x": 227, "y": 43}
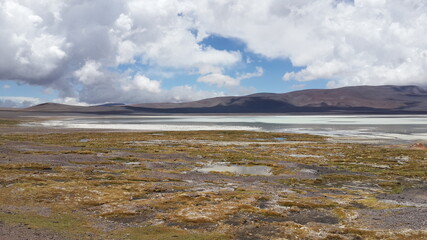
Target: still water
{"x": 401, "y": 127}
{"x": 236, "y": 169}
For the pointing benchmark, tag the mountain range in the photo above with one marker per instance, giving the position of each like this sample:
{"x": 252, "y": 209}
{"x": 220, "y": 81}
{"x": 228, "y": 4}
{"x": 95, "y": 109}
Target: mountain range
{"x": 387, "y": 99}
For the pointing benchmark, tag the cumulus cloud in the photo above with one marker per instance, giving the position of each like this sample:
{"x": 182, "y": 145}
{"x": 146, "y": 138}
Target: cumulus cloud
{"x": 349, "y": 42}
{"x": 188, "y": 93}
{"x": 221, "y": 80}
{"x": 70, "y": 101}
{"x": 18, "y": 102}
{"x": 98, "y": 51}
{"x": 258, "y": 73}
{"x": 142, "y": 83}
{"x": 76, "y": 45}
{"x": 89, "y": 73}
{"x": 30, "y": 51}
{"x": 122, "y": 88}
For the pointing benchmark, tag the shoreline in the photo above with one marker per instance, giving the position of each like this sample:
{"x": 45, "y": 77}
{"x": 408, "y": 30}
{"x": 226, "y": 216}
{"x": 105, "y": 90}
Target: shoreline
{"x": 351, "y": 128}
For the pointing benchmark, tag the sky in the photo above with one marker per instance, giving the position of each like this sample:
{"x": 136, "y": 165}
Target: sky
{"x": 88, "y": 52}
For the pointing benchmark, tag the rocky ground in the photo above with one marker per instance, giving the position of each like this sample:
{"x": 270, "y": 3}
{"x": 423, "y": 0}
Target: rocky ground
{"x": 80, "y": 184}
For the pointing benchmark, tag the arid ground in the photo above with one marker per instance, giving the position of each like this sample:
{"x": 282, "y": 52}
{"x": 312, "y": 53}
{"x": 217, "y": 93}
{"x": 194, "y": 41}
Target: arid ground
{"x": 82, "y": 184}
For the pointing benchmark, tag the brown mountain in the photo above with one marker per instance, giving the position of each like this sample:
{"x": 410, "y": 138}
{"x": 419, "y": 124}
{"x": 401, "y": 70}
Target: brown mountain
{"x": 63, "y": 108}
{"x": 359, "y": 99}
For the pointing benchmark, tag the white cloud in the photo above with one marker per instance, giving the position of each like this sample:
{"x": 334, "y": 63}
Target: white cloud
{"x": 221, "y": 80}
{"x": 82, "y": 48}
{"x": 365, "y": 42}
{"x": 18, "y": 102}
{"x": 61, "y": 45}
{"x": 124, "y": 23}
{"x": 178, "y": 48}
{"x": 30, "y": 52}
{"x": 136, "y": 89}
{"x": 258, "y": 73}
{"x": 89, "y": 73}
{"x": 321, "y": 70}
{"x": 140, "y": 82}
{"x": 6, "y": 86}
{"x": 125, "y": 52}
{"x": 188, "y": 93}
{"x": 70, "y": 101}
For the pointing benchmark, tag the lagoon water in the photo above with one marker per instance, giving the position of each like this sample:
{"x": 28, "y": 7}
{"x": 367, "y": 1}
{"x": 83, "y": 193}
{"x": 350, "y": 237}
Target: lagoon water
{"x": 236, "y": 169}
{"x": 401, "y": 128}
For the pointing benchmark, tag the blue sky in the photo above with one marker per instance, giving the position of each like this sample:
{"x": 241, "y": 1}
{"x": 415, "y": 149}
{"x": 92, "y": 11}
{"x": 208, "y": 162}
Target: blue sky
{"x": 172, "y": 51}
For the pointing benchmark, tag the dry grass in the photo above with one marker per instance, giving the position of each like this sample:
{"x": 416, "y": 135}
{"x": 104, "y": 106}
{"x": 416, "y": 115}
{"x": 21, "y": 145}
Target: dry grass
{"x": 125, "y": 176}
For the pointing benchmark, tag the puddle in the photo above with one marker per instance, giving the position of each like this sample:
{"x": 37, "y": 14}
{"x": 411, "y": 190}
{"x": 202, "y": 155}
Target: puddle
{"x": 84, "y": 140}
{"x": 404, "y": 203}
{"x": 279, "y": 139}
{"x": 309, "y": 171}
{"x": 133, "y": 163}
{"x": 237, "y": 169}
{"x": 259, "y": 139}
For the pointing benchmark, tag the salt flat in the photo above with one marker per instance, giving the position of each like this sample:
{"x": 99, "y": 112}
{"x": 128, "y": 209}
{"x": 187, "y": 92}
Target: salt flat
{"x": 380, "y": 127}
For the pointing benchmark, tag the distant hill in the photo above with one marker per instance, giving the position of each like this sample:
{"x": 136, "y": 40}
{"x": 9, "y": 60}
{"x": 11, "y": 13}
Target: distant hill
{"x": 63, "y": 108}
{"x": 352, "y": 100}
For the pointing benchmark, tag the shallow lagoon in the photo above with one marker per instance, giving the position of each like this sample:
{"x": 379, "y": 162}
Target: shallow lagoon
{"x": 236, "y": 169}
{"x": 396, "y": 127}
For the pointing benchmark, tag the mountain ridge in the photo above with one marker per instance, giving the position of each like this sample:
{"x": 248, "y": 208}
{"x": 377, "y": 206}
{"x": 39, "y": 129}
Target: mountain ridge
{"x": 354, "y": 99}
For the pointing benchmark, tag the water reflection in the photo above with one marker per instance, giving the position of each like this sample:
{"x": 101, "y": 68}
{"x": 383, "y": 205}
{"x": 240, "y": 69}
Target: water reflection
{"x": 396, "y": 127}
{"x": 237, "y": 169}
